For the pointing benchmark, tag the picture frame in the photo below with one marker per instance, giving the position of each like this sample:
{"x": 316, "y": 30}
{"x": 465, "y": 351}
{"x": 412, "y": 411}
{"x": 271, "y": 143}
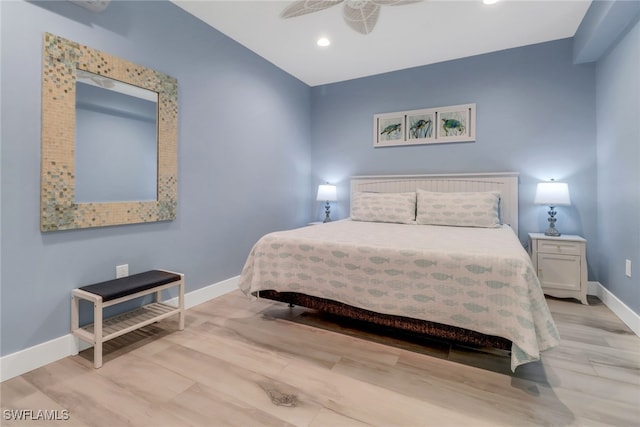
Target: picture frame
{"x": 455, "y": 123}
{"x": 389, "y": 129}
{"x": 420, "y": 126}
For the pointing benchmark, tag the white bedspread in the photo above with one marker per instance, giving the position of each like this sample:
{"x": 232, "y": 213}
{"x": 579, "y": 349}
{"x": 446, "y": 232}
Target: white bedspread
{"x": 474, "y": 278}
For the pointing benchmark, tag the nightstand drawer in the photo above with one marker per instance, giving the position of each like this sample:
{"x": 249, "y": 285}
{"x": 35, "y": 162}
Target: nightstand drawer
{"x": 559, "y": 247}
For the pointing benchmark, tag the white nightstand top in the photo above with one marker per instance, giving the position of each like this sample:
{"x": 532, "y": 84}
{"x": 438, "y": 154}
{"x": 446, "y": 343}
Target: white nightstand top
{"x": 566, "y": 237}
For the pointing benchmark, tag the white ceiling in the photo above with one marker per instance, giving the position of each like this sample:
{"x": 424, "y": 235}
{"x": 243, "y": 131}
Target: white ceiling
{"x": 405, "y": 35}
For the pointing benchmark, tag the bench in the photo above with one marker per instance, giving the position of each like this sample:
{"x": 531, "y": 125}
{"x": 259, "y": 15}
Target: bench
{"x": 112, "y": 292}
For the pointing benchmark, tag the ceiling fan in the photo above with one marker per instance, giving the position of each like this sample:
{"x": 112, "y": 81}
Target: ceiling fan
{"x": 361, "y": 15}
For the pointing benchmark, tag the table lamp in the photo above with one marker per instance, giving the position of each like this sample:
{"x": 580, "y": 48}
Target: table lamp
{"x": 552, "y": 194}
{"x": 327, "y": 193}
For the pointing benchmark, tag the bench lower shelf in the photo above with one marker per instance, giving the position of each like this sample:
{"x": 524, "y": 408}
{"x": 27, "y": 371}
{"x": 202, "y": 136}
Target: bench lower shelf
{"x": 123, "y": 323}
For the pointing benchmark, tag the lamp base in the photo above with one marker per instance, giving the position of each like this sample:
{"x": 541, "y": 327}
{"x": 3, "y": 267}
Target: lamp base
{"x": 327, "y": 211}
{"x": 552, "y": 231}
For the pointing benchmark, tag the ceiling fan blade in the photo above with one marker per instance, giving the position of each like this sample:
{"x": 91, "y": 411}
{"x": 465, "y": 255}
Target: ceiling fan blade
{"x": 361, "y": 15}
{"x": 303, "y": 7}
{"x": 394, "y": 2}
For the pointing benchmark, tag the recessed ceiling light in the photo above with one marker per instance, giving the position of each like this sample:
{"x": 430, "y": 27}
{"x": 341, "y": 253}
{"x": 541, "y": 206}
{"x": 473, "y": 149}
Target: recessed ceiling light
{"x": 323, "y": 42}
{"x": 490, "y": 1}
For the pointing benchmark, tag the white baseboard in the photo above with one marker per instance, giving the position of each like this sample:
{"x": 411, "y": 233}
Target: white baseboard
{"x": 23, "y": 361}
{"x": 26, "y": 360}
{"x": 208, "y": 293}
{"x": 620, "y": 309}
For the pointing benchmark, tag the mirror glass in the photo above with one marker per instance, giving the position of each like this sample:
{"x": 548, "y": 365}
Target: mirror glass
{"x": 116, "y": 156}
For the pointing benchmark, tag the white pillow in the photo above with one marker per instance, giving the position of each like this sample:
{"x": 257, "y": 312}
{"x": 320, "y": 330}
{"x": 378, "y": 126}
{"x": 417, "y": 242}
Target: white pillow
{"x": 477, "y": 209}
{"x": 384, "y": 207}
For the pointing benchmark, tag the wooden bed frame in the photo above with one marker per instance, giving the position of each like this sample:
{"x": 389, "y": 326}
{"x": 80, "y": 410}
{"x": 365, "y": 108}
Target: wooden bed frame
{"x": 505, "y": 183}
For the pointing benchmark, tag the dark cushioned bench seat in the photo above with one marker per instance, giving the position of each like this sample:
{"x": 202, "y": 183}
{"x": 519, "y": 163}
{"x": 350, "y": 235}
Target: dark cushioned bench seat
{"x": 112, "y": 289}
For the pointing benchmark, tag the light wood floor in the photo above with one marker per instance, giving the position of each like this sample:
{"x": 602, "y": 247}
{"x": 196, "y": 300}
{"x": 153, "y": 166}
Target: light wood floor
{"x": 244, "y": 363}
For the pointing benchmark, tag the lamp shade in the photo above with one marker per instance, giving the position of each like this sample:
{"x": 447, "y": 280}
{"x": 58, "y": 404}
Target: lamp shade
{"x": 552, "y": 194}
{"x": 327, "y": 193}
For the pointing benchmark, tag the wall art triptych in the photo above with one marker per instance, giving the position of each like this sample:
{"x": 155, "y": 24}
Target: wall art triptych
{"x": 456, "y": 123}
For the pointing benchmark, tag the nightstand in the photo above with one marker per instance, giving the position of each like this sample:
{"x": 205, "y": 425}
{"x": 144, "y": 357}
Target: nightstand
{"x": 561, "y": 264}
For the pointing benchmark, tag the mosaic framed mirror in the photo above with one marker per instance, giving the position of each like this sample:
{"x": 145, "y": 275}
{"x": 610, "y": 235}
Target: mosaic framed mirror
{"x": 109, "y": 140}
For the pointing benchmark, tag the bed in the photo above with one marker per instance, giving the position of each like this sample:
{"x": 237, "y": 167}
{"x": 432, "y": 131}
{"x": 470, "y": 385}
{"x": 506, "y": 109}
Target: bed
{"x": 434, "y": 254}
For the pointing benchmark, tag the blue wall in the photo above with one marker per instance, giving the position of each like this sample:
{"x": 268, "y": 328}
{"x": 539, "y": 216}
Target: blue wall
{"x": 535, "y": 115}
{"x": 618, "y": 147}
{"x": 242, "y": 173}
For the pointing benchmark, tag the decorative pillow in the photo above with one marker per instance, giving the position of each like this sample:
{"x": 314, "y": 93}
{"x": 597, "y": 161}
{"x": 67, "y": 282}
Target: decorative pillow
{"x": 479, "y": 209}
{"x": 384, "y": 207}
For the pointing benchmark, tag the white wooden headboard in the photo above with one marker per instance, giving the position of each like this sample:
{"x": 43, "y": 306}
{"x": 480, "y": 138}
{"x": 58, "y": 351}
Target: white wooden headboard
{"x": 504, "y": 182}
